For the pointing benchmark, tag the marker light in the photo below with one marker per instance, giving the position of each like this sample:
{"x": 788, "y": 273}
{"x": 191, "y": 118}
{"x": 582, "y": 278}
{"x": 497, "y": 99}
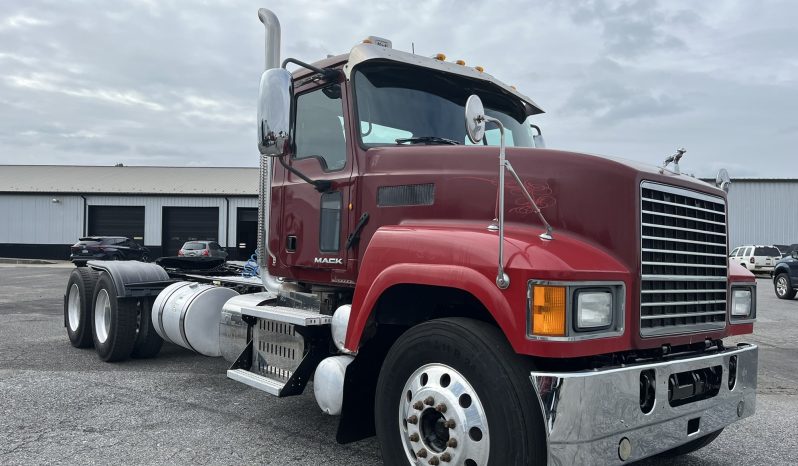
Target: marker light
{"x": 479, "y": 68}
{"x": 440, "y": 57}
{"x": 548, "y": 310}
{"x": 367, "y": 41}
{"x": 460, "y": 62}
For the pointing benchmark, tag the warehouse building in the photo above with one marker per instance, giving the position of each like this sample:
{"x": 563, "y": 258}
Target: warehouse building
{"x": 763, "y": 211}
{"x": 45, "y": 209}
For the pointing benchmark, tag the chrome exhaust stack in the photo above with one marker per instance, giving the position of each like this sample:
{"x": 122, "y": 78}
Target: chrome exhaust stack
{"x": 272, "y": 26}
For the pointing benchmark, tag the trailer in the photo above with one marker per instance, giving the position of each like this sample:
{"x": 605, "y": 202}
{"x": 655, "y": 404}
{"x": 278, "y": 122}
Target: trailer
{"x": 448, "y": 283}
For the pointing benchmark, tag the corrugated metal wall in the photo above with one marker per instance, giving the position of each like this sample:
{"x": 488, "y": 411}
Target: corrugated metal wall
{"x": 36, "y": 219}
{"x": 40, "y": 219}
{"x": 763, "y": 212}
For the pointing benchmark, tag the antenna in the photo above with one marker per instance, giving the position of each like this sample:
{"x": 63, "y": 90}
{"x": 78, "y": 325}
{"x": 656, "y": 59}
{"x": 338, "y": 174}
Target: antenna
{"x": 413, "y": 47}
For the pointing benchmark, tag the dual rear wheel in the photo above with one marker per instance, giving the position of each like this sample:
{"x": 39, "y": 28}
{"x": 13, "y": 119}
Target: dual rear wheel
{"x": 95, "y": 316}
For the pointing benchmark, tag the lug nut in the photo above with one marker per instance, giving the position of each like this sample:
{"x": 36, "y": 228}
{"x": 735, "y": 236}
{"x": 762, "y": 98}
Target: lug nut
{"x": 446, "y": 457}
{"x": 434, "y": 461}
{"x": 449, "y": 424}
{"x": 413, "y": 419}
{"x": 429, "y": 401}
{"x": 441, "y": 408}
{"x": 414, "y": 437}
{"x": 422, "y": 453}
{"x": 418, "y": 405}
{"x": 452, "y": 443}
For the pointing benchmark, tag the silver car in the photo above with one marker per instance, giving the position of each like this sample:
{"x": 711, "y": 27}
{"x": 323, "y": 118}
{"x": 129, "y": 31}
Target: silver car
{"x": 202, "y": 249}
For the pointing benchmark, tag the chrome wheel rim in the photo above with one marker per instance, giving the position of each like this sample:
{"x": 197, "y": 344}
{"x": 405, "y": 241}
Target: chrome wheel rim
{"x": 442, "y": 420}
{"x": 73, "y": 307}
{"x": 102, "y": 316}
{"x": 781, "y": 286}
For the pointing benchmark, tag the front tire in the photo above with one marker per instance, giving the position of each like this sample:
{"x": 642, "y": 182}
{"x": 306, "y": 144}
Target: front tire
{"x": 453, "y": 389}
{"x": 114, "y": 322}
{"x": 77, "y": 306}
{"x": 783, "y": 287}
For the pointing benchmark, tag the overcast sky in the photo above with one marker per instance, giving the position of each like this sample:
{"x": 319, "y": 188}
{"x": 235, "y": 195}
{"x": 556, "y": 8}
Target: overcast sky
{"x": 175, "y": 82}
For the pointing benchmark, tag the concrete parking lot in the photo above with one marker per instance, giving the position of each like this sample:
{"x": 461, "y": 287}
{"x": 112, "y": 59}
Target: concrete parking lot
{"x": 63, "y": 405}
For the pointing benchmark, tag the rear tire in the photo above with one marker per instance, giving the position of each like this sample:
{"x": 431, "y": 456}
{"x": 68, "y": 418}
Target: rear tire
{"x": 783, "y": 287}
{"x": 691, "y": 446}
{"x": 468, "y": 367}
{"x": 114, "y": 322}
{"x": 78, "y": 305}
{"x": 148, "y": 342}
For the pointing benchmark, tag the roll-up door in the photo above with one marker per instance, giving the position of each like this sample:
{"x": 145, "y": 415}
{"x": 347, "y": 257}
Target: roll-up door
{"x": 117, "y": 221}
{"x": 181, "y": 224}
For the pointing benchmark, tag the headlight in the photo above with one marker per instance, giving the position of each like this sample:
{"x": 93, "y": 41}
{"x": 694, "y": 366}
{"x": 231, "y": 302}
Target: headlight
{"x": 593, "y": 309}
{"x": 741, "y": 302}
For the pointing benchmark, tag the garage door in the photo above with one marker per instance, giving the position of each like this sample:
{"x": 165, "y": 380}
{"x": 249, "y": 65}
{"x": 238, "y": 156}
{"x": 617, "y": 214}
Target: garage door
{"x": 181, "y": 224}
{"x": 117, "y": 221}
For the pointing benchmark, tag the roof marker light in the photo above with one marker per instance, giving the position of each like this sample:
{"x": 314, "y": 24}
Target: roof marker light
{"x": 479, "y": 68}
{"x": 440, "y": 57}
{"x": 460, "y": 62}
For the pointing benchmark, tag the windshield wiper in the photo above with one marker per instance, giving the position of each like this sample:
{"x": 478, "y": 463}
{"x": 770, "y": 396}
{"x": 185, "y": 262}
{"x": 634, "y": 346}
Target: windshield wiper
{"x": 426, "y": 140}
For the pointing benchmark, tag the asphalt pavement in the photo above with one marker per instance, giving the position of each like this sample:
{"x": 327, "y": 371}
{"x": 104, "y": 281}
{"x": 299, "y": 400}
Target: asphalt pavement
{"x": 61, "y": 405}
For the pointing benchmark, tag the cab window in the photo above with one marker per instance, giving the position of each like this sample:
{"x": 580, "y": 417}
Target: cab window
{"x": 319, "y": 127}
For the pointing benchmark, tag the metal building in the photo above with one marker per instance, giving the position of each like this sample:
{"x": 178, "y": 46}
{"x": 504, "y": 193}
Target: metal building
{"x": 45, "y": 209}
{"x": 763, "y": 211}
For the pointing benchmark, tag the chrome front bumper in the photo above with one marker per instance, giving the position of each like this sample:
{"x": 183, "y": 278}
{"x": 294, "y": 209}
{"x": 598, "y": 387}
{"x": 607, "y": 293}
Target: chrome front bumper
{"x": 588, "y": 413}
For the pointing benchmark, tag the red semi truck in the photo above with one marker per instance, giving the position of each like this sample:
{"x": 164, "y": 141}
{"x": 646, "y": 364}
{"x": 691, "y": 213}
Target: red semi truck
{"x": 571, "y": 313}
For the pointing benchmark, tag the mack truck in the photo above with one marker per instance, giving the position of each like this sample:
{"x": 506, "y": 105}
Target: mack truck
{"x": 447, "y": 283}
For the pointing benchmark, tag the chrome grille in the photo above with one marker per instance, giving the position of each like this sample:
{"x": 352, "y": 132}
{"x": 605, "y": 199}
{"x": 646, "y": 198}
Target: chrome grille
{"x": 683, "y": 261}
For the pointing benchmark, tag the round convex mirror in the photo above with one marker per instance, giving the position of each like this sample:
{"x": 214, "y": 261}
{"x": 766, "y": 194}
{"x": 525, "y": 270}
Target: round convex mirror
{"x": 475, "y": 118}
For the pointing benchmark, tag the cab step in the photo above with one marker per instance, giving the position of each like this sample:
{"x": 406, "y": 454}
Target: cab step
{"x": 285, "y": 346}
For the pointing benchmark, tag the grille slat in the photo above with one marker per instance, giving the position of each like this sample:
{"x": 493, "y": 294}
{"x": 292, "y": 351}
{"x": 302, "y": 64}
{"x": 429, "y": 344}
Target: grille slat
{"x": 683, "y": 261}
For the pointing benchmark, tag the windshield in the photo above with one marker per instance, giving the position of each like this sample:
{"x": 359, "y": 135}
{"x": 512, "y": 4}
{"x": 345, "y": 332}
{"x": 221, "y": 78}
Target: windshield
{"x": 396, "y": 101}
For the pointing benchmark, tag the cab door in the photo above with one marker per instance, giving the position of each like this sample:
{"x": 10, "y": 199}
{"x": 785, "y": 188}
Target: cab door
{"x": 314, "y": 223}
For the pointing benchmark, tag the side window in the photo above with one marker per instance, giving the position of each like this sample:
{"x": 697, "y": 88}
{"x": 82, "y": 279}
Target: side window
{"x": 319, "y": 127}
{"x": 747, "y": 252}
{"x": 734, "y": 252}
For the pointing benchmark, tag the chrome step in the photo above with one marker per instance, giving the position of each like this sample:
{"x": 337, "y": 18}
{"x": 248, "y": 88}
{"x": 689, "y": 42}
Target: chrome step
{"x": 288, "y": 315}
{"x": 260, "y": 382}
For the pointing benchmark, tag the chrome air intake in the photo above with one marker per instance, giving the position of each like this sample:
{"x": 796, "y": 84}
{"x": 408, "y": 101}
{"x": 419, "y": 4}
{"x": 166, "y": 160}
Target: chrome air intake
{"x": 683, "y": 261}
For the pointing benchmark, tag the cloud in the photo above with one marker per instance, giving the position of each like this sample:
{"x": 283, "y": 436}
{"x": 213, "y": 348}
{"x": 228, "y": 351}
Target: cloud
{"x": 167, "y": 82}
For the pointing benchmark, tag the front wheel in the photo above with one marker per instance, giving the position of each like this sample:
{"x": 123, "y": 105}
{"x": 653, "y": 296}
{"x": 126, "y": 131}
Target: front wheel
{"x": 453, "y": 391}
{"x": 783, "y": 287}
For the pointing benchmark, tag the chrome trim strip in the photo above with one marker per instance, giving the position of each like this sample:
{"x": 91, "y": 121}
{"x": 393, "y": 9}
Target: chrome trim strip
{"x": 691, "y": 230}
{"x": 685, "y": 264}
{"x": 674, "y": 204}
{"x": 660, "y": 238}
{"x": 686, "y": 253}
{"x": 682, "y": 192}
{"x": 587, "y": 413}
{"x": 721, "y": 290}
{"x": 683, "y": 278}
{"x": 662, "y": 214}
{"x": 684, "y": 303}
{"x": 684, "y": 314}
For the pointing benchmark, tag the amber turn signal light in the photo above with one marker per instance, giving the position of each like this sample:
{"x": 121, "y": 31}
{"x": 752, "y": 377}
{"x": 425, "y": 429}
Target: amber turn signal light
{"x": 548, "y": 310}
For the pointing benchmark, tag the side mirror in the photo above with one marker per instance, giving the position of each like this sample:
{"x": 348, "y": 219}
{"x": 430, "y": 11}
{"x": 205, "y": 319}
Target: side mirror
{"x": 475, "y": 118}
{"x": 274, "y": 112}
{"x": 537, "y": 139}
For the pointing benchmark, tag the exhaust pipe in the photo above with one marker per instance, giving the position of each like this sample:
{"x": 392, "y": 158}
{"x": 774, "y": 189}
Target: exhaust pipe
{"x": 272, "y": 25}
{"x": 273, "y": 284}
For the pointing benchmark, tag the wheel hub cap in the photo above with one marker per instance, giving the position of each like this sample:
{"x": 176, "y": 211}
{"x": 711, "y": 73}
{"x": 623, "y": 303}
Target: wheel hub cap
{"x": 102, "y": 316}
{"x": 73, "y": 307}
{"x": 781, "y": 286}
{"x": 442, "y": 420}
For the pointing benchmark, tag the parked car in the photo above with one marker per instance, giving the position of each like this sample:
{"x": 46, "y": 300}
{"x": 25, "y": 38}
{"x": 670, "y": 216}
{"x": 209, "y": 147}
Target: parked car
{"x": 785, "y": 276}
{"x": 202, "y": 248}
{"x": 107, "y": 248}
{"x": 756, "y": 258}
